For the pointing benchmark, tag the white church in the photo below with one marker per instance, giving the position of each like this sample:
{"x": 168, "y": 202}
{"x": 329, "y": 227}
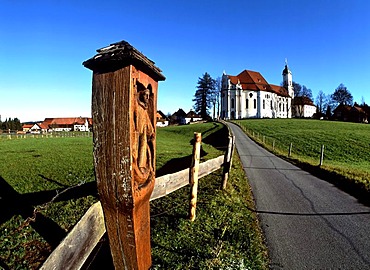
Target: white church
{"x": 249, "y": 95}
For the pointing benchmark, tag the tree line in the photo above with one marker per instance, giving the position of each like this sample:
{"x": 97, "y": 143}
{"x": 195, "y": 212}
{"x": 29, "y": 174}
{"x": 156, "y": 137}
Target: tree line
{"x": 11, "y": 124}
{"x": 207, "y": 97}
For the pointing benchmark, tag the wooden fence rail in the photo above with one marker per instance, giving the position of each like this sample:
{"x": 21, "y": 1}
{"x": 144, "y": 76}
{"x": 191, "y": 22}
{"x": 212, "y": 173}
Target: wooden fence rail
{"x": 73, "y": 251}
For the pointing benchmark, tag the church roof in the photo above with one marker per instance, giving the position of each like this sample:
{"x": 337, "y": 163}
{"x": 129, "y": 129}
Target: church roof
{"x": 280, "y": 90}
{"x": 253, "y": 80}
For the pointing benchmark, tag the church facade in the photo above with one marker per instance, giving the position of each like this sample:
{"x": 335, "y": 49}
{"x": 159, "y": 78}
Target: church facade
{"x": 249, "y": 95}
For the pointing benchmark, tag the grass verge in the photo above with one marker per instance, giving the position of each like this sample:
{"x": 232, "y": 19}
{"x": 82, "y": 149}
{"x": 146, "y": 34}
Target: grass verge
{"x": 225, "y": 234}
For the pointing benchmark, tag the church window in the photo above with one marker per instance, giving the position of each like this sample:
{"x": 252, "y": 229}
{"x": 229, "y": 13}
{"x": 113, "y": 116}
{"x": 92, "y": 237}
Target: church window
{"x": 232, "y": 103}
{"x": 247, "y": 104}
{"x": 255, "y": 103}
{"x": 250, "y": 95}
{"x": 263, "y": 104}
{"x": 271, "y": 104}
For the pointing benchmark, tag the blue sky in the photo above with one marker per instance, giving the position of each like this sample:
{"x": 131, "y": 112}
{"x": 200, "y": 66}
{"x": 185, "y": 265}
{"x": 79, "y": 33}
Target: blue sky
{"x": 43, "y": 45}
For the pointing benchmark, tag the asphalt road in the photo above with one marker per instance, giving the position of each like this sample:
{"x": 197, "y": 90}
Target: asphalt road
{"x": 308, "y": 222}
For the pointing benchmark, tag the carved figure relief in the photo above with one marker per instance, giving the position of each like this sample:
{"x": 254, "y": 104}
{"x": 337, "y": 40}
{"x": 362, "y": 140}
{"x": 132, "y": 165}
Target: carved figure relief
{"x": 144, "y": 137}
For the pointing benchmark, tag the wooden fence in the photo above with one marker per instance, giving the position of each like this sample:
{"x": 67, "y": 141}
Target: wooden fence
{"x": 280, "y": 148}
{"x": 74, "y": 250}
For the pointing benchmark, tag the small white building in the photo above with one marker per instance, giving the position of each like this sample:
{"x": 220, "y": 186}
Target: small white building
{"x": 249, "y": 95}
{"x": 303, "y": 107}
{"x": 68, "y": 124}
{"x": 162, "y": 120}
{"x": 191, "y": 117}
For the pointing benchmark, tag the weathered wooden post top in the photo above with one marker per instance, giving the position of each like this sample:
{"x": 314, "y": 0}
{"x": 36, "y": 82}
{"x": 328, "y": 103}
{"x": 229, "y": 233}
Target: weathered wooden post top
{"x": 124, "y": 106}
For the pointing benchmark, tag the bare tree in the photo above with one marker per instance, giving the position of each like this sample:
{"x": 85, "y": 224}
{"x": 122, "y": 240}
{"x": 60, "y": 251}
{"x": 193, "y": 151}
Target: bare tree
{"x": 341, "y": 95}
{"x": 321, "y": 101}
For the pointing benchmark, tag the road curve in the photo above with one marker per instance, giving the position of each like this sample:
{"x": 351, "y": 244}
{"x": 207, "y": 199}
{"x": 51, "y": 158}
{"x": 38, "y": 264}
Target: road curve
{"x": 308, "y": 223}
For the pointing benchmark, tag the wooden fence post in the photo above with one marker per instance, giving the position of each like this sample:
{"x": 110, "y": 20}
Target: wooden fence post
{"x": 322, "y": 155}
{"x": 194, "y": 171}
{"x": 290, "y": 150}
{"x": 228, "y": 160}
{"x": 124, "y": 106}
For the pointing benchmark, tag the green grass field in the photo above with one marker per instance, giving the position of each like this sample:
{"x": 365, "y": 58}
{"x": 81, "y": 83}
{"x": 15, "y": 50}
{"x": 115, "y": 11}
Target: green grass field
{"x": 347, "y": 145}
{"x": 35, "y": 171}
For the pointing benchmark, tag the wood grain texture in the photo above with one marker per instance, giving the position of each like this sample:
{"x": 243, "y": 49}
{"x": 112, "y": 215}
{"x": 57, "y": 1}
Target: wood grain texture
{"x": 123, "y": 107}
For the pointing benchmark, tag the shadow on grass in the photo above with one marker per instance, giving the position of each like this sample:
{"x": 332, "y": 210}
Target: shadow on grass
{"x": 218, "y": 139}
{"x": 100, "y": 257}
{"x": 177, "y": 164}
{"x": 13, "y": 203}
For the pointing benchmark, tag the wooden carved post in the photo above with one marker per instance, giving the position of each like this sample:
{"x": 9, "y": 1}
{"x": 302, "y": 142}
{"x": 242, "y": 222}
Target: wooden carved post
{"x": 124, "y": 105}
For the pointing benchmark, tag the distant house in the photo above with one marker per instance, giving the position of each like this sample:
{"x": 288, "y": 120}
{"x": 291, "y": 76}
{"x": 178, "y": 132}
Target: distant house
{"x": 34, "y": 128}
{"x": 342, "y": 112}
{"x": 303, "y": 107}
{"x": 178, "y": 117}
{"x": 350, "y": 113}
{"x": 68, "y": 124}
{"x": 44, "y": 128}
{"x": 162, "y": 120}
{"x": 192, "y": 117}
{"x": 358, "y": 115}
{"x": 27, "y": 127}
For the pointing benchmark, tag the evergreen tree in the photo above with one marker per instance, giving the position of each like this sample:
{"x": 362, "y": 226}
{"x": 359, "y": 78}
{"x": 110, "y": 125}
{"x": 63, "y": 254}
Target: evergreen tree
{"x": 203, "y": 95}
{"x": 11, "y": 124}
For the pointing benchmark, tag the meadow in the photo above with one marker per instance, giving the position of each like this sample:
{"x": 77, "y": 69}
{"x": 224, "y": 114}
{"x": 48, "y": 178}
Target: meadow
{"x": 47, "y": 184}
{"x": 346, "y": 146}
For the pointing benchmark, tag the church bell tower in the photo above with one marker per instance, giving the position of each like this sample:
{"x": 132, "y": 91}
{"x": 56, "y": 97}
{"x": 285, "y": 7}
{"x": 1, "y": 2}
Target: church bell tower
{"x": 288, "y": 80}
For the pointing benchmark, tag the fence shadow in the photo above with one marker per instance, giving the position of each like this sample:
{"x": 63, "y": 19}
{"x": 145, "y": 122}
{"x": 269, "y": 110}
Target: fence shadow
{"x": 218, "y": 139}
{"x": 12, "y": 203}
